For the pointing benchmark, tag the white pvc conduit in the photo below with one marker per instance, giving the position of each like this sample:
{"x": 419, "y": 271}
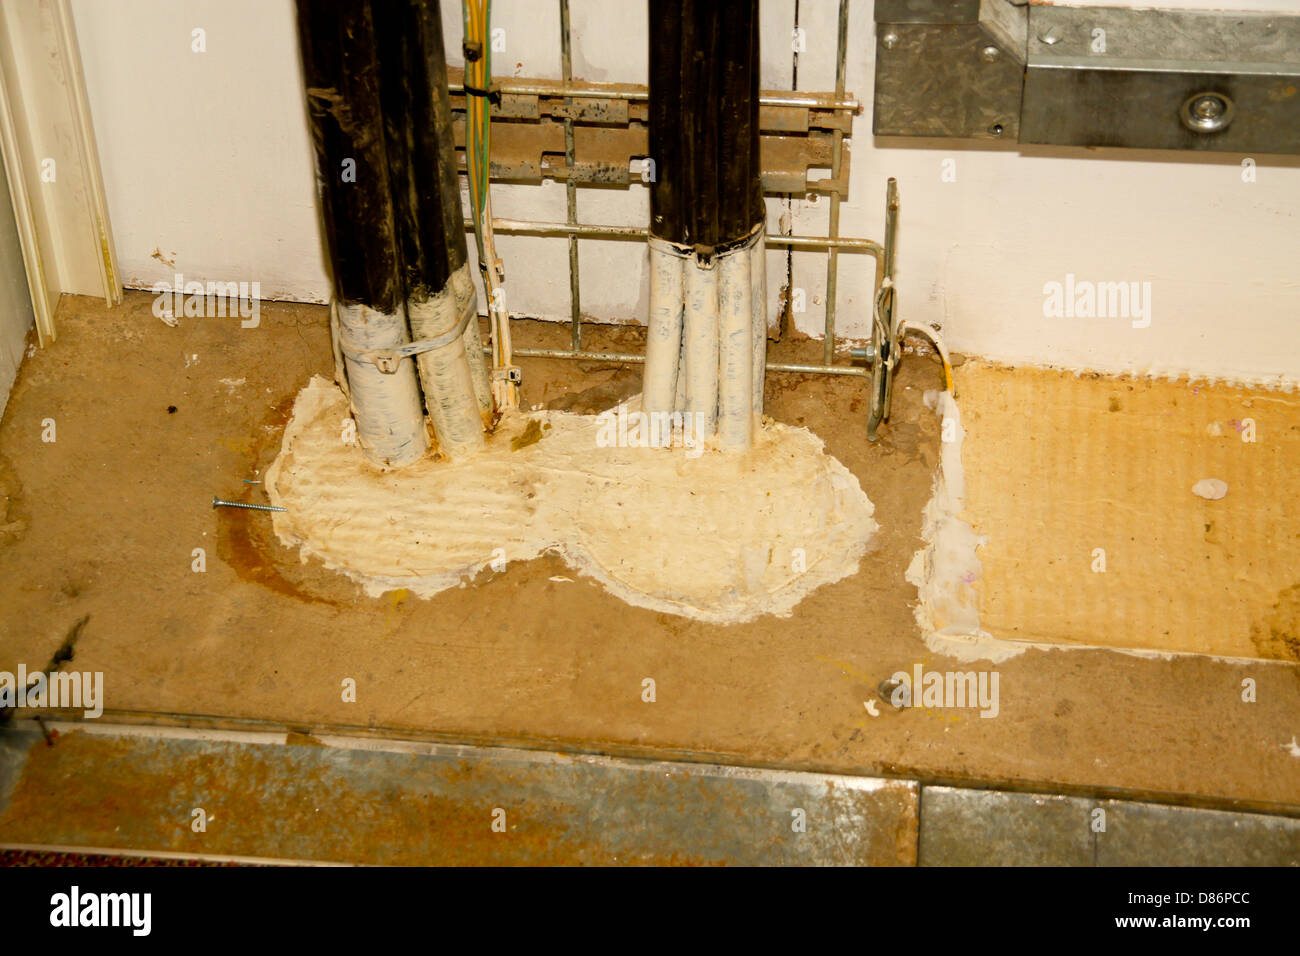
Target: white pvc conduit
{"x": 462, "y": 286}
{"x": 735, "y": 352}
{"x": 758, "y": 301}
{"x": 386, "y": 407}
{"x": 446, "y": 375}
{"x": 700, "y": 333}
{"x": 706, "y": 346}
{"x": 663, "y": 346}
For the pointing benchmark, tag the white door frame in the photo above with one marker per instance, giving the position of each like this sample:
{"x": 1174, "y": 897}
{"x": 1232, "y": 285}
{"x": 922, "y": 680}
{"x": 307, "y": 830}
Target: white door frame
{"x": 46, "y": 125}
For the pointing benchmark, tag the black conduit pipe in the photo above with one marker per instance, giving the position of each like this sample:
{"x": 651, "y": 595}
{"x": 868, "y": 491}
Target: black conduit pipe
{"x": 703, "y": 127}
{"x": 381, "y": 128}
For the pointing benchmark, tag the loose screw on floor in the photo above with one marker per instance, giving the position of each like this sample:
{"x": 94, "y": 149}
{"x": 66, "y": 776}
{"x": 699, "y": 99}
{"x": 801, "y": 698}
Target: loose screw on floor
{"x": 218, "y": 503}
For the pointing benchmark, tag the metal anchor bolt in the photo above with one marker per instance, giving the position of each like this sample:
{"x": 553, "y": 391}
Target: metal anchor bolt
{"x": 218, "y": 503}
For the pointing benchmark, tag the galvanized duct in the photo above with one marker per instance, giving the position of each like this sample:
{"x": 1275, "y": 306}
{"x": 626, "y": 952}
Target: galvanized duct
{"x": 706, "y": 349}
{"x": 381, "y": 127}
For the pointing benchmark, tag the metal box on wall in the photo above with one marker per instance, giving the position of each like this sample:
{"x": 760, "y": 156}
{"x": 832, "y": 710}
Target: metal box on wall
{"x": 1088, "y": 76}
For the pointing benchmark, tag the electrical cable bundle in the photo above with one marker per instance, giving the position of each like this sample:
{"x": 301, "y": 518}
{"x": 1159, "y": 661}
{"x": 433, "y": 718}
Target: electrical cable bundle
{"x": 478, "y": 95}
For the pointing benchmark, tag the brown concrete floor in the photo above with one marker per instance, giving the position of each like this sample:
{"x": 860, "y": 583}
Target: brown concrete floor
{"x": 100, "y": 526}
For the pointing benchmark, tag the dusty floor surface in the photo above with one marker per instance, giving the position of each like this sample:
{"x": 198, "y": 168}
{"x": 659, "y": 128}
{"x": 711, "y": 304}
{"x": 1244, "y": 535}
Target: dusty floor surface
{"x": 97, "y": 544}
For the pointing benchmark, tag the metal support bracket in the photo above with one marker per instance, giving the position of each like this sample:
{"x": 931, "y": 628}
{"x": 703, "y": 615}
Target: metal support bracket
{"x": 886, "y": 330}
{"x": 1221, "y": 81}
{"x": 586, "y": 115}
{"x": 610, "y": 140}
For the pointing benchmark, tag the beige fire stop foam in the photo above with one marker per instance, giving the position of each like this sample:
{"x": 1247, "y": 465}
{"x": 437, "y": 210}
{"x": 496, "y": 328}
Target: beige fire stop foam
{"x": 721, "y": 538}
{"x": 1151, "y": 516}
{"x": 1132, "y": 512}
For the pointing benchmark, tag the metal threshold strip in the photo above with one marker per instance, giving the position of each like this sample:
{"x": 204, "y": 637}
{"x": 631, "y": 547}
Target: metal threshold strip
{"x": 392, "y": 802}
{"x": 216, "y": 724}
{"x": 270, "y": 797}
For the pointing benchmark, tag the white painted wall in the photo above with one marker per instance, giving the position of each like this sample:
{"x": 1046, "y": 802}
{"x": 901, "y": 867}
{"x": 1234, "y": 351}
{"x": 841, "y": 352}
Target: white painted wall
{"x": 205, "y": 156}
{"x": 207, "y": 160}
